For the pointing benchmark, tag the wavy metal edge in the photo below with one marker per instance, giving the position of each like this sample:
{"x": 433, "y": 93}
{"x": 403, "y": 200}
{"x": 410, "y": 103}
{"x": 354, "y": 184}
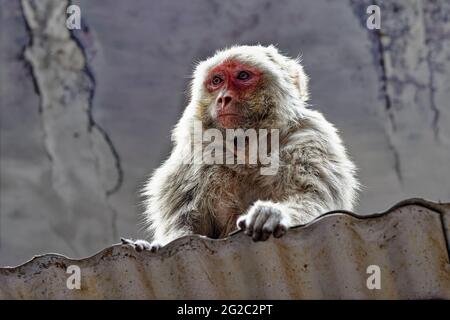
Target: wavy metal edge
{"x": 432, "y": 206}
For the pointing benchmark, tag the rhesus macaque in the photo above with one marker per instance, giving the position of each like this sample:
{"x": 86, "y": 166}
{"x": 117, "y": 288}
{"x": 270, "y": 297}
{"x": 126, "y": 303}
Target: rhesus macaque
{"x": 248, "y": 87}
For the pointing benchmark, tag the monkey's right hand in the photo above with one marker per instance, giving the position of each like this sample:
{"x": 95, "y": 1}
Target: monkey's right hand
{"x": 263, "y": 219}
{"x": 141, "y": 245}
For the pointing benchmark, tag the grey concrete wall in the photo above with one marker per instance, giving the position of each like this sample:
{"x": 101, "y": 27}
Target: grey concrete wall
{"x": 86, "y": 116}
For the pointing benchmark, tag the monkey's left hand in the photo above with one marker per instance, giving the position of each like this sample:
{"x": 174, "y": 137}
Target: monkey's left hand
{"x": 141, "y": 245}
{"x": 263, "y": 219}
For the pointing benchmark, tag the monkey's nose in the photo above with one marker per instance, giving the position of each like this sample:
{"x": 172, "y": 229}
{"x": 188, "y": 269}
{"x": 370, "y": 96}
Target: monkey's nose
{"x": 224, "y": 101}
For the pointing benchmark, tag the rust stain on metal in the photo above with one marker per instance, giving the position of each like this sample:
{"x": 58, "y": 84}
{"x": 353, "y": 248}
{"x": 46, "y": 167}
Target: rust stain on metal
{"x": 327, "y": 258}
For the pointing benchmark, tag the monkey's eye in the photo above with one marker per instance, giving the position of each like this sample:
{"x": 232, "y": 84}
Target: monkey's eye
{"x": 243, "y": 75}
{"x": 216, "y": 80}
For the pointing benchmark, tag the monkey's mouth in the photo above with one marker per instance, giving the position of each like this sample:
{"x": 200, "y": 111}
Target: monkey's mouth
{"x": 228, "y": 120}
{"x": 228, "y": 115}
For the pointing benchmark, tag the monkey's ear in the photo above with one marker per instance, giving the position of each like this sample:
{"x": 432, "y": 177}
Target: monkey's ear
{"x": 301, "y": 81}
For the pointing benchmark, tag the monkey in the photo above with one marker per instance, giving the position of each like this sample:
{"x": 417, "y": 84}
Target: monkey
{"x": 249, "y": 86}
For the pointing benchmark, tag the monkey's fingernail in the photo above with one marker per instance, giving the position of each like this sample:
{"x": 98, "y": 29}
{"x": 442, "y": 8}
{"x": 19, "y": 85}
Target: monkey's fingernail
{"x": 265, "y": 236}
{"x": 279, "y": 232}
{"x": 256, "y": 236}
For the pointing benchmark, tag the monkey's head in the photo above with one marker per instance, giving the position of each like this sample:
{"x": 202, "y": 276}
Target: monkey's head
{"x": 248, "y": 87}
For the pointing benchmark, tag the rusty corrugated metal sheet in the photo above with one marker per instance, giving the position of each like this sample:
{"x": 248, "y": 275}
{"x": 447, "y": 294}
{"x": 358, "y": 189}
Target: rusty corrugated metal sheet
{"x": 327, "y": 258}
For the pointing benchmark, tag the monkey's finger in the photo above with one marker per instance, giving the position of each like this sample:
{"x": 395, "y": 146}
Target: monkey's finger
{"x": 155, "y": 247}
{"x": 271, "y": 224}
{"x": 280, "y": 230}
{"x": 264, "y": 236}
{"x": 135, "y": 244}
{"x": 241, "y": 222}
{"x": 250, "y": 222}
{"x": 259, "y": 223}
{"x": 127, "y": 241}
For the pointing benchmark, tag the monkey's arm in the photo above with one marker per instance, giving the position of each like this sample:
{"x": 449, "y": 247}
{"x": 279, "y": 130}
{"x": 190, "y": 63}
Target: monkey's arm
{"x": 163, "y": 233}
{"x": 314, "y": 177}
{"x": 170, "y": 196}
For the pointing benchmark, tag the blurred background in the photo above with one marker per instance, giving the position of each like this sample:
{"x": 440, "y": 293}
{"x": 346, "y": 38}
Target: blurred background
{"x": 86, "y": 114}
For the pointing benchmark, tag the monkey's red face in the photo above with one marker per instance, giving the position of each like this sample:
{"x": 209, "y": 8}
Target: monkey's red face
{"x": 234, "y": 85}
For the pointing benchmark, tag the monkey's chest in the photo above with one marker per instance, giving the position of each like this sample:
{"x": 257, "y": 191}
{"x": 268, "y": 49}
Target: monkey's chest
{"x": 225, "y": 220}
{"x": 227, "y": 209}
